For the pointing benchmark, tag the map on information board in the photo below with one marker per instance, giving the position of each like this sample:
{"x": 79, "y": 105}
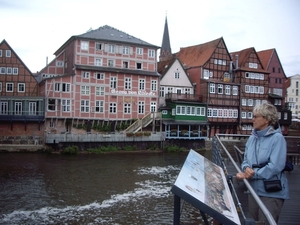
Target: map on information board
{"x": 204, "y": 183}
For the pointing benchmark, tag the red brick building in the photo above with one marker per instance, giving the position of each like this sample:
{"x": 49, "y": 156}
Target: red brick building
{"x": 21, "y": 106}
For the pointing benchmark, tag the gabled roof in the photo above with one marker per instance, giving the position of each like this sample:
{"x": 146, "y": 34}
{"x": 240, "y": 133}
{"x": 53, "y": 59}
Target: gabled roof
{"x": 243, "y": 56}
{"x": 163, "y": 66}
{"x": 197, "y": 55}
{"x": 13, "y": 52}
{"x": 108, "y": 33}
{"x": 266, "y": 56}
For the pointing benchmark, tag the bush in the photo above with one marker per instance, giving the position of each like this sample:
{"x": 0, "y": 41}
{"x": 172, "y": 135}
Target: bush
{"x": 175, "y": 148}
{"x": 70, "y": 150}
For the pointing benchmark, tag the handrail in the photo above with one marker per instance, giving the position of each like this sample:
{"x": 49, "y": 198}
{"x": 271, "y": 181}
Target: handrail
{"x": 262, "y": 206}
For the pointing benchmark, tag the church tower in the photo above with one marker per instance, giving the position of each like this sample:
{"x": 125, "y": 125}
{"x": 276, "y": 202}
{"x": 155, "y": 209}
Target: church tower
{"x": 165, "y": 51}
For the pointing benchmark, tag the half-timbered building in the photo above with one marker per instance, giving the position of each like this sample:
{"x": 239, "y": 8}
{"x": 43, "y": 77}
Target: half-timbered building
{"x": 210, "y": 68}
{"x": 21, "y": 106}
{"x": 277, "y": 89}
{"x": 100, "y": 78}
{"x": 253, "y": 79}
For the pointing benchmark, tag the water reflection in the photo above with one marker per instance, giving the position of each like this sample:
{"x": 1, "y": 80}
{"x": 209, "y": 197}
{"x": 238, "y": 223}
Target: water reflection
{"x": 89, "y": 189}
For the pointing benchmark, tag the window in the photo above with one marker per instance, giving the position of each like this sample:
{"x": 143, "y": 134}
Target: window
{"x": 212, "y": 88}
{"x": 84, "y": 45}
{"x": 85, "y": 90}
{"x": 15, "y": 71}
{"x": 98, "y": 62}
{"x": 8, "y": 53}
{"x": 9, "y": 87}
{"x": 0, "y": 86}
{"x": 111, "y": 48}
{"x": 253, "y": 65}
{"x": 200, "y": 111}
{"x": 113, "y": 82}
{"x": 176, "y": 75}
{"x": 249, "y": 115}
{"x": 161, "y": 92}
{"x": 112, "y": 107}
{"x": 257, "y": 102}
{"x": 18, "y": 108}
{"x": 100, "y": 76}
{"x": 9, "y": 70}
{"x": 215, "y": 112}
{"x": 138, "y": 66}
{"x": 21, "y": 87}
{"x": 2, "y": 70}
{"x": 153, "y": 85}
{"x": 0, "y": 52}
{"x": 234, "y": 90}
{"x": 220, "y": 113}
{"x": 84, "y": 105}
{"x": 187, "y": 91}
{"x": 100, "y": 91}
{"x": 227, "y": 89}
{"x": 32, "y": 108}
{"x": 164, "y": 112}
{"x": 59, "y": 63}
{"x": 57, "y": 87}
{"x": 3, "y": 107}
{"x": 153, "y": 106}
{"x": 151, "y": 53}
{"x": 139, "y": 51}
{"x": 127, "y": 83}
{"x": 244, "y": 115}
{"x": 125, "y": 50}
{"x": 170, "y": 89}
{"x": 127, "y": 108}
{"x": 51, "y": 104}
{"x": 66, "y": 105}
{"x": 220, "y": 88}
{"x": 141, "y": 107}
{"x": 178, "y": 91}
{"x": 209, "y": 112}
{"x": 66, "y": 87}
{"x": 85, "y": 75}
{"x": 98, "y": 46}
{"x": 141, "y": 84}
{"x": 111, "y": 63}
{"x": 250, "y": 102}
{"x": 244, "y": 102}
{"x": 99, "y": 106}
{"x": 125, "y": 64}
{"x": 206, "y": 74}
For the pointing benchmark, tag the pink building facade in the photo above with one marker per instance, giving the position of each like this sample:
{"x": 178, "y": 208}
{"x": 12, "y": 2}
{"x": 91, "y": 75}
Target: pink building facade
{"x": 103, "y": 76}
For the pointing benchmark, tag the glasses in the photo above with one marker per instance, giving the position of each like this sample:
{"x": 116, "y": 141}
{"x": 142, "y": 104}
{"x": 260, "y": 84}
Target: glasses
{"x": 257, "y": 116}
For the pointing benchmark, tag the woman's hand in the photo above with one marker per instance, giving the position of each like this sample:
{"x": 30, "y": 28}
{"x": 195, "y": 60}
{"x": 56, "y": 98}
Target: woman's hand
{"x": 245, "y": 175}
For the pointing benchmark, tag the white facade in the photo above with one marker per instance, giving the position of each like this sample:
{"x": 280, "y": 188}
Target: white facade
{"x": 293, "y": 95}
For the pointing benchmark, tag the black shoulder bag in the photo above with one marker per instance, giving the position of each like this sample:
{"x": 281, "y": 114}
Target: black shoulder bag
{"x": 272, "y": 185}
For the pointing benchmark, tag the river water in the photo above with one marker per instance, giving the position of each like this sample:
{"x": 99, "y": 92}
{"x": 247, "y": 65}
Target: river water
{"x": 119, "y": 188}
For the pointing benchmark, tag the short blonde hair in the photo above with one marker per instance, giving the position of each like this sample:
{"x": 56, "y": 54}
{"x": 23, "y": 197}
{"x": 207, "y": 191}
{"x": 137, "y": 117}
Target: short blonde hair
{"x": 268, "y": 111}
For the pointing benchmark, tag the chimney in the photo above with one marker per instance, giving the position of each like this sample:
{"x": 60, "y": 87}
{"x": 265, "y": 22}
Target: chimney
{"x": 236, "y": 61}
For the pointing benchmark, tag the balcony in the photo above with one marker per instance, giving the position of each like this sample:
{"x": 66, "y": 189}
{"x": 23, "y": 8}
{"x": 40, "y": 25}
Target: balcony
{"x": 183, "y": 97}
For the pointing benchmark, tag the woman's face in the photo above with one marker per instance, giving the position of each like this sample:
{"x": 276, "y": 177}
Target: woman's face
{"x": 260, "y": 122}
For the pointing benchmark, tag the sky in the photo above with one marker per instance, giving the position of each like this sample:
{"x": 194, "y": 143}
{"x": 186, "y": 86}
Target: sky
{"x": 35, "y": 29}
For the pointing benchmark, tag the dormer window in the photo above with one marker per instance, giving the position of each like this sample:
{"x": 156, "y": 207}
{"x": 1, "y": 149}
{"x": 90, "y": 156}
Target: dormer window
{"x": 253, "y": 65}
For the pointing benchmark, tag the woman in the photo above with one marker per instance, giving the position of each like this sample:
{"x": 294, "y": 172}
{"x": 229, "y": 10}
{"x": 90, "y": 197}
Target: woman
{"x": 264, "y": 159}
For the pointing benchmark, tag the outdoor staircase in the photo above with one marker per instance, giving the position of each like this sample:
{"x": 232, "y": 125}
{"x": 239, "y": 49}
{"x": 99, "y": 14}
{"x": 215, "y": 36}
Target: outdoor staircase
{"x": 140, "y": 123}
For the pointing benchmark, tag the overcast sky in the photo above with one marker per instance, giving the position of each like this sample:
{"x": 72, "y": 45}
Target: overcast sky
{"x": 35, "y": 29}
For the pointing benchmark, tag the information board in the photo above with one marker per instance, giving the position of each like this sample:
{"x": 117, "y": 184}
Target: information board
{"x": 203, "y": 184}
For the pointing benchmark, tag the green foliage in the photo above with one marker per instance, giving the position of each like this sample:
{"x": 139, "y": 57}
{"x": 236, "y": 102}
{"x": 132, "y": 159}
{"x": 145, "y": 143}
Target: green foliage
{"x": 174, "y": 148}
{"x": 130, "y": 148}
{"x": 70, "y": 150}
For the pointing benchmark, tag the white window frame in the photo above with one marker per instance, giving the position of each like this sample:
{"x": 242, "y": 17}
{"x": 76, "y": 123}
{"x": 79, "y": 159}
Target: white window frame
{"x": 21, "y": 87}
{"x": 9, "y": 87}
{"x": 127, "y": 83}
{"x": 139, "y": 51}
{"x": 151, "y": 53}
{"x": 100, "y": 91}
{"x": 8, "y": 53}
{"x": 85, "y": 106}
{"x": 84, "y": 45}
{"x": 85, "y": 90}
{"x": 66, "y": 105}
{"x": 142, "y": 84}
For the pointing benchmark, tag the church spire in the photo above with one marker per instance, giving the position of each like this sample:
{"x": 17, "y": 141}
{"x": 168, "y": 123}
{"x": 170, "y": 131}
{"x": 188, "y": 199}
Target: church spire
{"x": 165, "y": 51}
